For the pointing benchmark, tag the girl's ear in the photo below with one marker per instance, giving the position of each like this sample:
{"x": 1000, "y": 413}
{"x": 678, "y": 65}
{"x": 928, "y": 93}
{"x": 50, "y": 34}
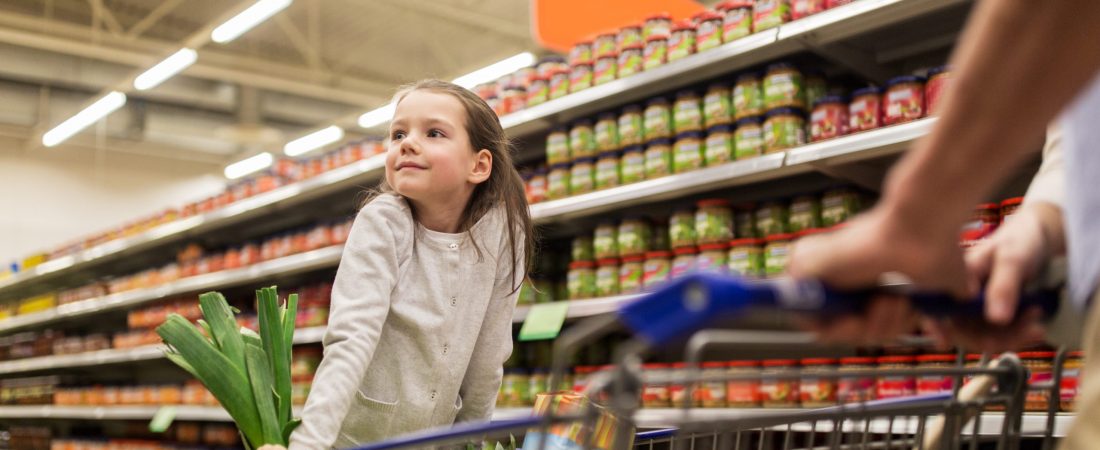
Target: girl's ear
{"x": 482, "y": 168}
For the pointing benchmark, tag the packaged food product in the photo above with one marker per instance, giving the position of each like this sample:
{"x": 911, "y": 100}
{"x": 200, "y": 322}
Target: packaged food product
{"x": 539, "y": 90}
{"x": 607, "y": 170}
{"x": 746, "y": 258}
{"x": 494, "y": 102}
{"x": 655, "y": 53}
{"x": 557, "y": 182}
{"x": 687, "y": 112}
{"x": 1040, "y": 366}
{"x": 829, "y": 118}
{"x": 682, "y": 41}
{"x": 778, "y": 392}
{"x": 631, "y": 60}
{"x": 634, "y": 235}
{"x": 718, "y": 105}
{"x": 736, "y": 19}
{"x": 536, "y": 186}
{"x": 838, "y": 205}
{"x": 581, "y": 53}
{"x": 681, "y": 228}
{"x": 713, "y": 222}
{"x": 853, "y": 389}
{"x": 1009, "y": 207}
{"x": 656, "y": 395}
{"x": 743, "y": 389}
{"x": 783, "y": 87}
{"x": 748, "y": 138}
{"x": 712, "y": 394}
{"x": 607, "y": 277}
{"x": 657, "y": 25}
{"x": 934, "y": 384}
{"x": 631, "y": 274}
{"x": 658, "y": 266}
{"x": 814, "y": 390}
{"x": 775, "y": 254}
{"x": 834, "y": 3}
{"x": 783, "y": 128}
{"x": 865, "y": 111}
{"x": 904, "y": 100}
{"x": 771, "y": 218}
{"x": 748, "y": 96}
{"x": 582, "y": 176}
{"x": 896, "y": 385}
{"x": 718, "y": 148}
{"x": 604, "y": 44}
{"x": 630, "y": 35}
{"x": 580, "y": 77}
{"x": 939, "y": 78}
{"x": 514, "y": 99}
{"x": 709, "y": 33}
{"x": 712, "y": 258}
{"x": 631, "y": 126}
{"x": 559, "y": 83}
{"x": 657, "y": 122}
{"x": 803, "y": 8}
{"x": 633, "y": 164}
{"x": 582, "y": 249}
{"x": 658, "y": 158}
{"x": 605, "y": 240}
{"x": 606, "y": 69}
{"x": 607, "y": 132}
{"x": 581, "y": 280}
{"x": 683, "y": 261}
{"x": 557, "y": 146}
{"x": 768, "y": 14}
{"x": 677, "y": 390}
{"x": 805, "y": 214}
{"x": 816, "y": 87}
{"x": 1071, "y": 375}
{"x": 986, "y": 218}
{"x": 687, "y": 152}
{"x": 582, "y": 140}
{"x": 514, "y": 388}
{"x": 539, "y": 384}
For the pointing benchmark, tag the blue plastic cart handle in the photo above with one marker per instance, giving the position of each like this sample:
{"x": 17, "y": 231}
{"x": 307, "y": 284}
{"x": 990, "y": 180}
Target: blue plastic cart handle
{"x": 691, "y": 303}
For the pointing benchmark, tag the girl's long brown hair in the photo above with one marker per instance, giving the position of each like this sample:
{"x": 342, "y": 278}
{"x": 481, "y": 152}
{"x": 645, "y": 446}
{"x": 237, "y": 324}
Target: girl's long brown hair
{"x": 504, "y": 186}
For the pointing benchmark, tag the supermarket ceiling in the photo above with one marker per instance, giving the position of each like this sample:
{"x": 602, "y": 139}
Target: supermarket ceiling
{"x": 315, "y": 62}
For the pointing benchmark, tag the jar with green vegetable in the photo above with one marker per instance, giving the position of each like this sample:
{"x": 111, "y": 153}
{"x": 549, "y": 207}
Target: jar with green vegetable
{"x": 658, "y": 158}
{"x": 713, "y": 221}
{"x": 775, "y": 254}
{"x": 657, "y": 121}
{"x": 784, "y": 128}
{"x": 748, "y": 138}
{"x": 633, "y": 164}
{"x": 816, "y": 87}
{"x": 557, "y": 146}
{"x": 712, "y": 258}
{"x": 631, "y": 126}
{"x": 805, "y": 213}
{"x": 746, "y": 258}
{"x": 634, "y": 236}
{"x": 557, "y": 181}
{"x": 748, "y": 96}
{"x": 582, "y": 249}
{"x": 771, "y": 218}
{"x": 581, "y": 280}
{"x": 718, "y": 105}
{"x": 607, "y": 277}
{"x": 718, "y": 148}
{"x": 660, "y": 237}
{"x": 582, "y": 140}
{"x": 607, "y": 170}
{"x": 607, "y": 132}
{"x": 687, "y": 112}
{"x": 631, "y": 273}
{"x": 658, "y": 266}
{"x": 783, "y": 87}
{"x": 745, "y": 222}
{"x": 582, "y": 176}
{"x": 839, "y": 205}
{"x": 688, "y": 152}
{"x": 605, "y": 241}
{"x": 683, "y": 262}
{"x": 681, "y": 228}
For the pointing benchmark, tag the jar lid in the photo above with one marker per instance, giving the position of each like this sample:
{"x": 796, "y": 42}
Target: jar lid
{"x": 973, "y": 356}
{"x": 611, "y": 55}
{"x": 582, "y": 123}
{"x": 733, "y": 4}
{"x": 744, "y": 363}
{"x": 779, "y": 362}
{"x": 780, "y": 237}
{"x": 559, "y": 129}
{"x": 658, "y": 141}
{"x": 686, "y": 250}
{"x": 606, "y": 367}
{"x": 609, "y": 33}
{"x": 608, "y": 116}
{"x": 746, "y": 241}
{"x": 812, "y": 231}
{"x": 609, "y": 154}
{"x": 904, "y": 79}
{"x": 1075, "y": 354}
{"x": 936, "y": 358}
{"x": 541, "y": 171}
{"x": 657, "y": 101}
{"x": 633, "y": 148}
{"x": 686, "y": 93}
{"x": 539, "y": 77}
{"x": 860, "y": 360}
{"x": 714, "y": 364}
{"x": 660, "y": 16}
{"x": 1036, "y": 355}
{"x": 714, "y": 246}
{"x": 656, "y": 38}
{"x": 830, "y": 99}
{"x": 552, "y": 59}
{"x": 635, "y": 46}
{"x": 818, "y": 361}
{"x": 633, "y": 258}
{"x": 525, "y": 175}
{"x": 683, "y": 25}
{"x": 679, "y": 365}
{"x": 986, "y": 206}
{"x": 560, "y": 166}
{"x": 689, "y": 135}
{"x": 723, "y": 128}
{"x": 633, "y": 26}
{"x": 658, "y": 254}
{"x": 581, "y": 265}
{"x": 608, "y": 262}
{"x": 938, "y": 70}
{"x": 751, "y": 120}
{"x": 781, "y": 66}
{"x": 1012, "y": 201}
{"x": 584, "y": 160}
{"x": 582, "y": 43}
{"x": 900, "y": 359}
{"x": 870, "y": 90}
{"x": 581, "y": 64}
{"x": 749, "y": 76}
{"x": 583, "y": 369}
{"x": 651, "y": 366}
{"x": 718, "y": 85}
{"x": 705, "y": 203}
{"x": 784, "y": 111}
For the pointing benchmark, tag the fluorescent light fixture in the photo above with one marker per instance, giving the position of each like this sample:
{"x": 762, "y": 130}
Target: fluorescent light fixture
{"x": 165, "y": 69}
{"x": 495, "y": 70}
{"x": 378, "y": 116}
{"x": 98, "y": 110}
{"x": 247, "y": 19}
{"x": 314, "y": 140}
{"x": 251, "y": 164}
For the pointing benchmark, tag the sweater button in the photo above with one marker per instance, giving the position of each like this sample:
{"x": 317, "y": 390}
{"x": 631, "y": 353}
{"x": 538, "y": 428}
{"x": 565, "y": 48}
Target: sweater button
{"x": 445, "y": 347}
{"x": 454, "y": 301}
{"x": 453, "y": 246}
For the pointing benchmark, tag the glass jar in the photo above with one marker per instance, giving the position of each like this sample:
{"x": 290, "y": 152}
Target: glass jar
{"x": 607, "y": 277}
{"x": 658, "y": 266}
{"x": 1071, "y": 375}
{"x": 559, "y": 83}
{"x": 660, "y": 237}
{"x": 904, "y": 100}
{"x": 631, "y": 126}
{"x": 514, "y": 388}
{"x": 582, "y": 249}
{"x": 631, "y": 274}
{"x": 536, "y": 186}
{"x": 634, "y": 235}
{"x": 743, "y": 392}
{"x": 557, "y": 146}
{"x": 677, "y": 390}
{"x": 657, "y": 25}
{"x": 607, "y": 170}
{"x": 775, "y": 254}
{"x": 718, "y": 105}
{"x": 688, "y": 152}
{"x": 895, "y": 386}
{"x": 539, "y": 385}
{"x": 631, "y": 60}
{"x": 718, "y": 148}
{"x": 935, "y": 384}
{"x": 814, "y": 390}
{"x": 657, "y": 122}
{"x": 656, "y": 395}
{"x": 784, "y": 128}
{"x": 839, "y": 205}
{"x": 681, "y": 228}
{"x": 816, "y": 87}
{"x": 803, "y": 8}
{"x": 655, "y": 53}
{"x": 783, "y": 87}
{"x": 629, "y": 35}
{"x": 851, "y": 389}
{"x": 687, "y": 113}
{"x": 829, "y": 118}
{"x": 1040, "y": 366}
{"x": 548, "y": 64}
{"x": 658, "y": 158}
{"x": 1009, "y": 207}
{"x": 514, "y": 99}
{"x": 713, "y": 221}
{"x": 865, "y": 111}
{"x": 986, "y": 218}
{"x": 709, "y": 33}
{"x": 767, "y": 14}
{"x": 746, "y": 258}
{"x": 604, "y": 44}
{"x": 581, "y": 280}
{"x": 605, "y": 241}
{"x": 580, "y": 77}
{"x": 607, "y": 132}
{"x": 771, "y": 218}
{"x": 776, "y": 392}
{"x": 744, "y": 222}
{"x": 712, "y": 258}
{"x": 748, "y": 96}
{"x": 633, "y": 164}
{"x": 748, "y": 138}
{"x": 606, "y": 69}
{"x": 682, "y": 41}
{"x": 683, "y": 262}
{"x": 582, "y": 176}
{"x": 736, "y": 19}
{"x": 581, "y": 53}
{"x": 539, "y": 90}
{"x": 712, "y": 394}
{"x": 939, "y": 78}
{"x": 805, "y": 214}
{"x": 557, "y": 182}
{"x": 582, "y": 140}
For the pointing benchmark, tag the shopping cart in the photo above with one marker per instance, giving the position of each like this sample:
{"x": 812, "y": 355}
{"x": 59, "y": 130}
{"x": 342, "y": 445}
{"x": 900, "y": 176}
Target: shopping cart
{"x": 963, "y": 417}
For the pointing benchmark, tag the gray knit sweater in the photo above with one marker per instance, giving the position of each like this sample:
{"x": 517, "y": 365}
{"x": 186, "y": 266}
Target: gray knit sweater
{"x": 418, "y": 332}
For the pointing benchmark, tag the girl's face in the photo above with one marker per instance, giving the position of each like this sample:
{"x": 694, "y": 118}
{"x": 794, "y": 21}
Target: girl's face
{"x": 430, "y": 158}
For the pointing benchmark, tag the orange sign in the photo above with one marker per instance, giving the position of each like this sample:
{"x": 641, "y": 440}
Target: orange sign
{"x": 558, "y": 24}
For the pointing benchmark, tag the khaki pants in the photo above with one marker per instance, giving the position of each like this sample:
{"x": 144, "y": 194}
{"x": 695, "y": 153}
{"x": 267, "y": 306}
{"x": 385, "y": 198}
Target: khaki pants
{"x": 1084, "y": 434}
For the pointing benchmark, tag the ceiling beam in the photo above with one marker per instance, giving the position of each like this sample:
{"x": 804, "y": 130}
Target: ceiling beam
{"x": 89, "y": 142}
{"x": 152, "y": 18}
{"x": 466, "y": 17}
{"x": 300, "y": 42}
{"x": 105, "y": 14}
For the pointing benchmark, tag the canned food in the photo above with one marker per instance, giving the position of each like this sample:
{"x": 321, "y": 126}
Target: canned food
{"x": 804, "y": 8}
{"x": 606, "y": 69}
{"x": 582, "y": 140}
{"x": 712, "y": 394}
{"x": 894, "y": 386}
{"x": 681, "y": 228}
{"x": 607, "y": 132}
{"x": 557, "y": 182}
{"x": 1040, "y": 366}
{"x": 582, "y": 249}
{"x": 748, "y": 96}
{"x": 631, "y": 126}
{"x": 934, "y": 384}
{"x": 656, "y": 395}
{"x": 709, "y": 33}
{"x": 607, "y": 277}
{"x": 539, "y": 90}
{"x": 816, "y": 87}
{"x": 939, "y": 79}
{"x": 634, "y": 235}
{"x": 580, "y": 77}
{"x": 768, "y": 14}
{"x": 775, "y": 254}
{"x": 605, "y": 241}
{"x": 559, "y": 83}
{"x": 657, "y": 25}
{"x": 631, "y": 274}
{"x": 536, "y": 186}
{"x": 713, "y": 222}
{"x": 557, "y": 146}
{"x": 581, "y": 53}
{"x": 605, "y": 45}
{"x": 805, "y": 214}
{"x": 856, "y": 389}
{"x": 581, "y": 280}
{"x": 629, "y": 36}
{"x": 712, "y": 258}
{"x": 771, "y": 218}
{"x": 839, "y": 205}
{"x": 1071, "y": 375}
{"x": 816, "y": 391}
{"x": 743, "y": 393}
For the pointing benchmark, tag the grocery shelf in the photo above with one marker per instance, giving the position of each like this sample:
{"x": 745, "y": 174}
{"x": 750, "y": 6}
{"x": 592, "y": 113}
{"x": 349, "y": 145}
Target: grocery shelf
{"x": 892, "y": 139}
{"x": 121, "y": 355}
{"x": 183, "y": 412}
{"x": 582, "y": 308}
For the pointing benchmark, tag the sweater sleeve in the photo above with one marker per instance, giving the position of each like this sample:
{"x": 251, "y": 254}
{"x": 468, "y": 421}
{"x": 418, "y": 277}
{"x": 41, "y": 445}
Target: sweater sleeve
{"x": 361, "y": 293}
{"x": 481, "y": 384}
{"x": 1049, "y": 184}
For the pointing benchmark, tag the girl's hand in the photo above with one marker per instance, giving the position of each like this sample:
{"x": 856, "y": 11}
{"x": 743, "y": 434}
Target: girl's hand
{"x": 271, "y": 447}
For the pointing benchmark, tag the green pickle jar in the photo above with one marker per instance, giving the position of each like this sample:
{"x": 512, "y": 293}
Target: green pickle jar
{"x": 607, "y": 170}
{"x": 839, "y": 205}
{"x": 581, "y": 280}
{"x": 783, "y": 87}
{"x": 582, "y": 140}
{"x": 746, "y": 258}
{"x": 658, "y": 158}
{"x": 657, "y": 121}
{"x": 657, "y": 268}
{"x": 582, "y": 177}
{"x": 681, "y": 228}
{"x": 745, "y": 223}
{"x": 816, "y": 87}
{"x": 634, "y": 236}
{"x": 557, "y": 182}
{"x": 582, "y": 249}
{"x": 718, "y": 105}
{"x": 718, "y": 148}
{"x": 557, "y": 146}
{"x": 688, "y": 152}
{"x": 631, "y": 273}
{"x": 633, "y": 164}
{"x": 748, "y": 96}
{"x": 805, "y": 213}
{"x": 607, "y": 132}
{"x": 631, "y": 126}
{"x": 660, "y": 237}
{"x": 784, "y": 128}
{"x": 687, "y": 112}
{"x": 605, "y": 241}
{"x": 712, "y": 258}
{"x": 607, "y": 277}
{"x": 775, "y": 254}
{"x": 748, "y": 139}
{"x": 713, "y": 221}
{"x": 771, "y": 218}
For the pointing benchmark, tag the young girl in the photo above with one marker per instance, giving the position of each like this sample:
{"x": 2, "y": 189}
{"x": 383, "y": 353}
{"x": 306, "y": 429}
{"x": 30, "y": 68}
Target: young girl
{"x": 421, "y": 318}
